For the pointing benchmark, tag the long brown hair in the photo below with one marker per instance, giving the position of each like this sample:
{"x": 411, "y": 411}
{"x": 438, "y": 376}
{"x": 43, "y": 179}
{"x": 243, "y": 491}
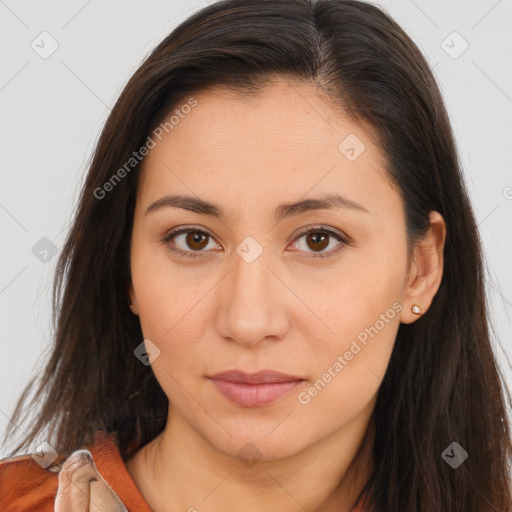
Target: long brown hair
{"x": 443, "y": 384}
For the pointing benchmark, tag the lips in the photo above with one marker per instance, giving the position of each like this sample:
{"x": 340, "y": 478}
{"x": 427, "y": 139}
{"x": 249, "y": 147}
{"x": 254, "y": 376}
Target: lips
{"x": 255, "y": 389}
{"x": 261, "y": 377}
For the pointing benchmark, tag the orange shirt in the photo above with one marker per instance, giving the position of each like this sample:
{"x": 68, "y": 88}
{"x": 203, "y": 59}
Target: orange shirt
{"x": 72, "y": 484}
{"x": 92, "y": 478}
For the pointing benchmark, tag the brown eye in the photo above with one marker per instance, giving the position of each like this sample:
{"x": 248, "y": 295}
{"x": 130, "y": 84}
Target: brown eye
{"x": 193, "y": 242}
{"x": 317, "y": 241}
{"x": 188, "y": 242}
{"x": 196, "y": 240}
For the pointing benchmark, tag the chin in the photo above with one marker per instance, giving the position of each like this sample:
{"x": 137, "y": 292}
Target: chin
{"x": 263, "y": 442}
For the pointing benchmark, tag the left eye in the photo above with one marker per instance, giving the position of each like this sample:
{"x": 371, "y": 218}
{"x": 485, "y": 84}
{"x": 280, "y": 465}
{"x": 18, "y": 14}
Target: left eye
{"x": 316, "y": 239}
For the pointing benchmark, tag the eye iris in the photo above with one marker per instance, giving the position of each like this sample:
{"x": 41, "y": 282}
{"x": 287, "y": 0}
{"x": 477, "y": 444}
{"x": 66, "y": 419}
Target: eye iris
{"x": 194, "y": 237}
{"x": 315, "y": 237}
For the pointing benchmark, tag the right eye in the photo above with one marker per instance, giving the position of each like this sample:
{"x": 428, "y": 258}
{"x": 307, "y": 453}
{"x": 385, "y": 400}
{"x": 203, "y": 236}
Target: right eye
{"x": 188, "y": 238}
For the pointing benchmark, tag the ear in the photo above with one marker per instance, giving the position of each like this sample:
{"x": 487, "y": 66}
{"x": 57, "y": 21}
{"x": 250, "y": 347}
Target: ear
{"x": 426, "y": 269}
{"x": 133, "y": 301}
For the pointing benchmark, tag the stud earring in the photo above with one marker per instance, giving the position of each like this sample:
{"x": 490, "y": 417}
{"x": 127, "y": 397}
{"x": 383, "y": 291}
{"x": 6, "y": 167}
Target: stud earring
{"x": 416, "y": 309}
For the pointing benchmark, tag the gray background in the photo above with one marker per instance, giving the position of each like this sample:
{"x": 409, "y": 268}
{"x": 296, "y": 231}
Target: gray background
{"x": 53, "y": 108}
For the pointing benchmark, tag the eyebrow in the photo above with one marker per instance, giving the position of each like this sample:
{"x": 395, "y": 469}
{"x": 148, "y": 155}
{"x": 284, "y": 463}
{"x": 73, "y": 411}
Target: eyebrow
{"x": 203, "y": 207}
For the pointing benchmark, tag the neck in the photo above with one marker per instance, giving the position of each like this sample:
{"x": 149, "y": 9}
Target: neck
{"x": 181, "y": 470}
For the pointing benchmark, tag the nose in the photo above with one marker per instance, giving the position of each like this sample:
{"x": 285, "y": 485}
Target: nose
{"x": 252, "y": 302}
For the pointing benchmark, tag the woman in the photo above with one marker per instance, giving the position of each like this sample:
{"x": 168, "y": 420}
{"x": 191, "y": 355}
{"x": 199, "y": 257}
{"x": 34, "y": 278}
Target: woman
{"x": 272, "y": 294}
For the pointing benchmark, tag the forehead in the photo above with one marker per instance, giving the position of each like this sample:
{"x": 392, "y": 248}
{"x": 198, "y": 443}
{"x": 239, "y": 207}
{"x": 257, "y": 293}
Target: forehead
{"x": 281, "y": 113}
{"x": 286, "y": 140}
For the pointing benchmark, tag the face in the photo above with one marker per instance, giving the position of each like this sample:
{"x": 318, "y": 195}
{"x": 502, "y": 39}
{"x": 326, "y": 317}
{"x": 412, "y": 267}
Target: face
{"x": 250, "y": 285}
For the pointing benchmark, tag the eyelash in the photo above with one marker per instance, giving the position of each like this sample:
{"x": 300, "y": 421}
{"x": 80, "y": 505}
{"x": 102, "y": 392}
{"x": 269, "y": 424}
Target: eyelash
{"x": 197, "y": 254}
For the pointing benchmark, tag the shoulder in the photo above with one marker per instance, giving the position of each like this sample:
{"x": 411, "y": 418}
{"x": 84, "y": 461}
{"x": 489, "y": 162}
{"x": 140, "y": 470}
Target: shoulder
{"x": 26, "y": 485}
{"x": 49, "y": 481}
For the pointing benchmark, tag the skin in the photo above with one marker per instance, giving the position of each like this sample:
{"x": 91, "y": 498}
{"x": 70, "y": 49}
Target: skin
{"x": 289, "y": 310}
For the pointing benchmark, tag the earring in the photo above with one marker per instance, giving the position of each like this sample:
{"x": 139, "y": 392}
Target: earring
{"x": 416, "y": 309}
{"x": 129, "y": 302}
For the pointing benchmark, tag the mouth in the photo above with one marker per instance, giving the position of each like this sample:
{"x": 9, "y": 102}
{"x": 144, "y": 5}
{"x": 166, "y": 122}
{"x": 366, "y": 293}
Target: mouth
{"x": 256, "y": 389}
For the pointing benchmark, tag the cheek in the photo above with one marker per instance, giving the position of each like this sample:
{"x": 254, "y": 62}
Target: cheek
{"x": 361, "y": 306}
{"x": 355, "y": 301}
{"x": 167, "y": 294}
{"x": 173, "y": 313}
{"x": 349, "y": 373}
